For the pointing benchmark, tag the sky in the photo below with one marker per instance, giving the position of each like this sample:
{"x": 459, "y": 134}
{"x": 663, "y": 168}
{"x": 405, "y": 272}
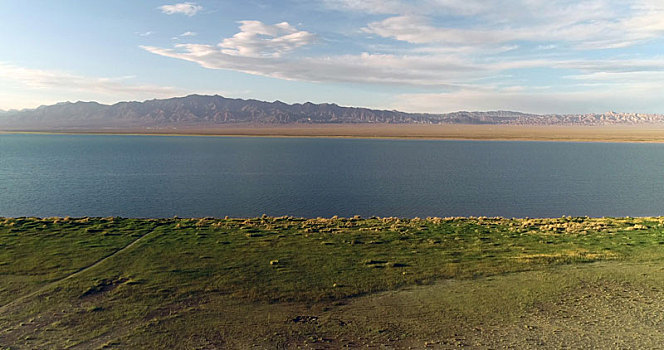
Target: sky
{"x": 537, "y": 56}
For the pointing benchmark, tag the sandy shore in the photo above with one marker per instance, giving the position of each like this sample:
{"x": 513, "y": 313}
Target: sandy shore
{"x": 641, "y": 133}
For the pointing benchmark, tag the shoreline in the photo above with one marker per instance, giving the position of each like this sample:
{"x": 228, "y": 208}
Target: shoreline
{"x": 456, "y": 132}
{"x": 334, "y": 218}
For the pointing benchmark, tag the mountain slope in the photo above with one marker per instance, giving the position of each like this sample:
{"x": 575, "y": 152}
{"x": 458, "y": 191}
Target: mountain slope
{"x": 203, "y": 111}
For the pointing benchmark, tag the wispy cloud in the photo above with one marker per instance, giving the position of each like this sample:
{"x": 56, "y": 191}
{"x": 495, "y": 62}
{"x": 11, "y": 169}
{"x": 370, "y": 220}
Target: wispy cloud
{"x": 58, "y": 80}
{"x": 185, "y": 8}
{"x": 489, "y": 55}
{"x": 631, "y": 96}
{"x": 370, "y": 6}
{"x": 364, "y": 68}
{"x": 585, "y": 24}
{"x": 587, "y": 34}
{"x": 184, "y": 35}
{"x": 259, "y": 49}
{"x": 258, "y": 39}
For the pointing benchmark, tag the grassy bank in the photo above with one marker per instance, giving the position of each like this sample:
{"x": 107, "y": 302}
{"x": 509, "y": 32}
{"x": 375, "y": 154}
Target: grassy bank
{"x": 284, "y": 282}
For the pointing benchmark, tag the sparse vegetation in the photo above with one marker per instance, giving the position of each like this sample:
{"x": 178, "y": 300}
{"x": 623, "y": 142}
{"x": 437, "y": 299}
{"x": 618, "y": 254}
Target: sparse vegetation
{"x": 91, "y": 283}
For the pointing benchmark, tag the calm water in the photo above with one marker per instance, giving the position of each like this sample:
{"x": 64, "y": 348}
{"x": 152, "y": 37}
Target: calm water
{"x": 153, "y": 176}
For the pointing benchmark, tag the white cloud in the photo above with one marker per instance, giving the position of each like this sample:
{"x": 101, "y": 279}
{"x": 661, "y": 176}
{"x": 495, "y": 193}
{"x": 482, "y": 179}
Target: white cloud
{"x": 585, "y": 24}
{"x": 39, "y": 79}
{"x": 465, "y": 7}
{"x": 583, "y": 35}
{"x": 444, "y": 69}
{"x": 185, "y": 8}
{"x": 370, "y": 6}
{"x": 258, "y": 49}
{"x": 655, "y": 64}
{"x": 415, "y": 29}
{"x": 467, "y": 53}
{"x": 258, "y": 39}
{"x": 184, "y": 35}
{"x": 363, "y": 68}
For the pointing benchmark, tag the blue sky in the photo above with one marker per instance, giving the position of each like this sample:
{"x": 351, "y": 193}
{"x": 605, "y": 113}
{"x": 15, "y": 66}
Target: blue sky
{"x": 542, "y": 56}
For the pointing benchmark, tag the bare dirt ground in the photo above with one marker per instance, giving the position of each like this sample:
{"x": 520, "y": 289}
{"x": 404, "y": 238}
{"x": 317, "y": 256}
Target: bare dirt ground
{"x": 608, "y": 133}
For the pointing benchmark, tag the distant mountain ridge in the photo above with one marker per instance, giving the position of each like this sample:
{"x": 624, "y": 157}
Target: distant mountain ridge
{"x": 204, "y": 111}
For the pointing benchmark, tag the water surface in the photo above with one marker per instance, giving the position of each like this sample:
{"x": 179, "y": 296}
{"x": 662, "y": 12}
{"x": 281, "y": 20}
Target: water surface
{"x": 188, "y": 176}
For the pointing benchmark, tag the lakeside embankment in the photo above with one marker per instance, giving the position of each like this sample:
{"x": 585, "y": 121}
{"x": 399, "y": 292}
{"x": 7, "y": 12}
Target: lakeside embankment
{"x": 284, "y": 282}
{"x": 653, "y": 133}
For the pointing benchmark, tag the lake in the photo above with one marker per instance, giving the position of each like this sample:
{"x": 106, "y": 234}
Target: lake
{"x": 188, "y": 176}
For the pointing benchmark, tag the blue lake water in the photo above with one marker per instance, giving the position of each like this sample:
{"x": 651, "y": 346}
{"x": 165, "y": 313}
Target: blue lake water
{"x": 158, "y": 176}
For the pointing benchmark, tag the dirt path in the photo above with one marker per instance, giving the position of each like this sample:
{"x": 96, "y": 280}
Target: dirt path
{"x": 6, "y": 307}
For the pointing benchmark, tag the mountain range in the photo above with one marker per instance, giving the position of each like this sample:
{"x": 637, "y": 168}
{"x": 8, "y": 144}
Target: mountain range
{"x": 208, "y": 111}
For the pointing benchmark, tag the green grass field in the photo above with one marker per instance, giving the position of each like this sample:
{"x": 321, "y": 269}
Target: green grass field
{"x": 313, "y": 283}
